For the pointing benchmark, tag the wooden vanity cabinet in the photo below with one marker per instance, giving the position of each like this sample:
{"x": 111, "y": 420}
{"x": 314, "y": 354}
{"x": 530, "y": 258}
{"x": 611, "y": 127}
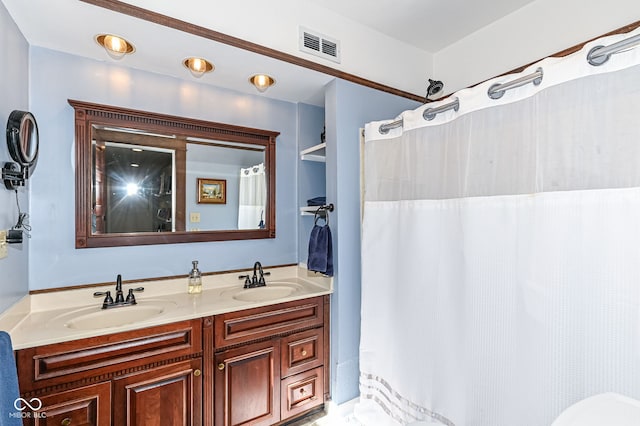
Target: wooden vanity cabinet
{"x": 261, "y": 366}
{"x": 268, "y": 363}
{"x": 133, "y": 378}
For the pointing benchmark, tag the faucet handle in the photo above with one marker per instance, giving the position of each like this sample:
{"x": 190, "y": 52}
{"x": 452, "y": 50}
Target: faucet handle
{"x": 247, "y": 280}
{"x": 261, "y": 281}
{"x": 131, "y": 299}
{"x": 108, "y": 300}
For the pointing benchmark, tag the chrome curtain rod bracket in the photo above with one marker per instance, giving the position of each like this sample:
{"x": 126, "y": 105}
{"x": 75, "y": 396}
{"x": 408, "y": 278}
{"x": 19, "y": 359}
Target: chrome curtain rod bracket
{"x": 601, "y": 54}
{"x": 497, "y": 90}
{"x": 430, "y": 113}
{"x": 384, "y": 128}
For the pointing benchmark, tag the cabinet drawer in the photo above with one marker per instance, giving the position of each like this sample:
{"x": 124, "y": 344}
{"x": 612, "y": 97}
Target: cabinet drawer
{"x": 89, "y": 405}
{"x": 67, "y": 362}
{"x": 252, "y": 324}
{"x": 302, "y": 392}
{"x": 302, "y": 351}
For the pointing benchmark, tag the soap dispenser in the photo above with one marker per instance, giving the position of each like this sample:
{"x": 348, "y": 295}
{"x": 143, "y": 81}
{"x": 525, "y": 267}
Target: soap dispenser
{"x": 195, "y": 279}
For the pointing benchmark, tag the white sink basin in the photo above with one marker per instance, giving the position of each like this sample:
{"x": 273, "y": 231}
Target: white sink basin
{"x": 272, "y": 291}
{"x": 95, "y": 318}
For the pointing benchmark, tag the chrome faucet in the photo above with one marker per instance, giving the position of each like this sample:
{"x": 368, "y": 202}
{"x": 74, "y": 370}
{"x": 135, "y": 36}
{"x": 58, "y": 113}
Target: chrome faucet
{"x": 255, "y": 280}
{"x": 120, "y": 299}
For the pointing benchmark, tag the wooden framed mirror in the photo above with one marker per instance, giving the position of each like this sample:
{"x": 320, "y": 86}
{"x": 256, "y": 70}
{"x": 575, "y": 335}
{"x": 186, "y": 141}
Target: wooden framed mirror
{"x": 139, "y": 179}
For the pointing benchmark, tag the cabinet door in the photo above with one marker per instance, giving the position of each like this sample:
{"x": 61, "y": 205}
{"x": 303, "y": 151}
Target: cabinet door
{"x": 247, "y": 385}
{"x": 85, "y": 406}
{"x": 170, "y": 395}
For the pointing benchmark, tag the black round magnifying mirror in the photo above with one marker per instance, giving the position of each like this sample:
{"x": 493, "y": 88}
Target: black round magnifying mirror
{"x": 22, "y": 142}
{"x": 22, "y": 138}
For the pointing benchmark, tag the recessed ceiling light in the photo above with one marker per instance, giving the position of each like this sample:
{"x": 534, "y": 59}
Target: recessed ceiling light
{"x": 198, "y": 66}
{"x": 115, "y": 46}
{"x": 262, "y": 81}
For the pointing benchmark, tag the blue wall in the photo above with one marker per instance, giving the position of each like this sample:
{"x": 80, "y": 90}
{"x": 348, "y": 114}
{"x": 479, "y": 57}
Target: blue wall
{"x": 54, "y": 261}
{"x": 311, "y": 175}
{"x": 348, "y": 107}
{"x": 14, "y": 94}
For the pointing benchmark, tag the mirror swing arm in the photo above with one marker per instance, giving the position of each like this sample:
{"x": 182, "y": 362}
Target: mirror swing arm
{"x": 88, "y": 115}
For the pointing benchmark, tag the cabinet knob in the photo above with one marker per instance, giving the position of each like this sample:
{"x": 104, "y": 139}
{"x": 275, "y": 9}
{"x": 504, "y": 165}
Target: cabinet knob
{"x": 66, "y": 421}
{"x": 221, "y": 366}
{"x": 197, "y": 373}
{"x": 303, "y": 353}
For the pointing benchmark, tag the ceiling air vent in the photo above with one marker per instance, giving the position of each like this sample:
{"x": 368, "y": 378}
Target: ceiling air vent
{"x": 319, "y": 45}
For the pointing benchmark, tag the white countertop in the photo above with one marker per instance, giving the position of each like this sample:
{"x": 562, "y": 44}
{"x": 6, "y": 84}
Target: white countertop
{"x": 47, "y": 318}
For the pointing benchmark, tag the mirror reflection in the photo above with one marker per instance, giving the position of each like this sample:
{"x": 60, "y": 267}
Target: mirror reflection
{"x": 132, "y": 189}
{"x": 146, "y": 178}
{"x": 235, "y": 174}
{"x": 225, "y": 183}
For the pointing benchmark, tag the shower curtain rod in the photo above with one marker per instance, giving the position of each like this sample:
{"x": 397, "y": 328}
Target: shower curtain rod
{"x": 497, "y": 90}
{"x": 601, "y": 54}
{"x": 428, "y": 114}
{"x": 596, "y": 56}
{"x": 384, "y": 128}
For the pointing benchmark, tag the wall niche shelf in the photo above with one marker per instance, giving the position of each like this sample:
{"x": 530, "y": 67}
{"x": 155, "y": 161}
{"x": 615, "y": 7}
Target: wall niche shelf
{"x": 315, "y": 153}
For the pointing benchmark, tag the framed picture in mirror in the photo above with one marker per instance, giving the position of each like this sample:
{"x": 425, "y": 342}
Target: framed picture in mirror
{"x": 212, "y": 191}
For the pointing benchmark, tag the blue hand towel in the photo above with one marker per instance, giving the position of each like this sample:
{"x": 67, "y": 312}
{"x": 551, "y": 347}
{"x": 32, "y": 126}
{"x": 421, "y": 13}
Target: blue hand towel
{"x": 9, "y": 393}
{"x": 320, "y": 250}
{"x": 317, "y": 201}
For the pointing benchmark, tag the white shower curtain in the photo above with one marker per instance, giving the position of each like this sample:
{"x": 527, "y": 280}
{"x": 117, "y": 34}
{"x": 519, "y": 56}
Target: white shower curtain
{"x": 253, "y": 197}
{"x": 501, "y": 251}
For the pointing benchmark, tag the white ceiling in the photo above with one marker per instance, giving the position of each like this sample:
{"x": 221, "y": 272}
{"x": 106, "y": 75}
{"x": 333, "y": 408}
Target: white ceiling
{"x": 427, "y": 26}
{"x": 430, "y": 25}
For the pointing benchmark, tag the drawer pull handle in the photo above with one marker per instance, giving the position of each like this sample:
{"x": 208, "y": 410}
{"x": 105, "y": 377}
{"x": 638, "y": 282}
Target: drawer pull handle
{"x": 302, "y": 391}
{"x": 66, "y": 421}
{"x": 197, "y": 373}
{"x": 303, "y": 353}
{"x": 221, "y": 366}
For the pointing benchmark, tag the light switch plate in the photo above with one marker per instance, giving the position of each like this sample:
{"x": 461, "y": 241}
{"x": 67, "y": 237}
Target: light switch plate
{"x": 3, "y": 244}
